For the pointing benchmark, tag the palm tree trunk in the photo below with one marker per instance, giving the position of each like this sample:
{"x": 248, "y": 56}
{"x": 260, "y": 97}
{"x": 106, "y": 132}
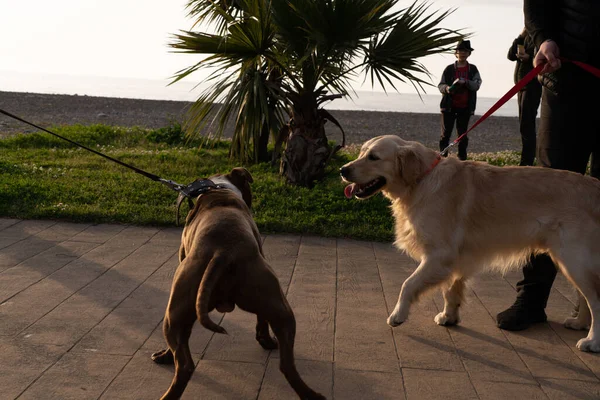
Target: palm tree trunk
{"x": 307, "y": 150}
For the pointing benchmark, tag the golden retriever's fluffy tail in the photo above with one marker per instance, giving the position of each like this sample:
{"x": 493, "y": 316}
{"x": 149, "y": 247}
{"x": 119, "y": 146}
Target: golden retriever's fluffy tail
{"x": 213, "y": 273}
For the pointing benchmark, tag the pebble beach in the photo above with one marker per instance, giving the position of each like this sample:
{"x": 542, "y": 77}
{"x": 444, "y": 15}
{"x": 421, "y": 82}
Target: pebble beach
{"x": 497, "y": 133}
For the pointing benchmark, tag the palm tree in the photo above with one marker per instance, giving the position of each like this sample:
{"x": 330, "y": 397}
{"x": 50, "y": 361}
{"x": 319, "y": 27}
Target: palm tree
{"x": 276, "y": 62}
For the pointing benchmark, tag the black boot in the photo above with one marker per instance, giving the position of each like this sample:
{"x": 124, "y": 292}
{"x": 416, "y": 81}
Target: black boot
{"x": 521, "y": 315}
{"x": 533, "y": 292}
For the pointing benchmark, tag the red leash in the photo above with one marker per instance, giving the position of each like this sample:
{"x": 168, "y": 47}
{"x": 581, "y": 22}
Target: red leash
{"x": 515, "y": 89}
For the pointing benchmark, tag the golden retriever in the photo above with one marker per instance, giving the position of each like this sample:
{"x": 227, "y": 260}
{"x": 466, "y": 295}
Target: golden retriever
{"x": 461, "y": 217}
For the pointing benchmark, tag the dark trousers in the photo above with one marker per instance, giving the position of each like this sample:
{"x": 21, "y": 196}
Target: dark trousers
{"x": 461, "y": 117}
{"x": 568, "y": 134}
{"x": 529, "y": 101}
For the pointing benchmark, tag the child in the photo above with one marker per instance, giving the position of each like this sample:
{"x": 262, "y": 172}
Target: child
{"x": 459, "y": 85}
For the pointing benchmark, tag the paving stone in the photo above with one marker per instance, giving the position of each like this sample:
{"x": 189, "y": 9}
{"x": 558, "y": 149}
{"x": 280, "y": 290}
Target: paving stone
{"x": 239, "y": 344}
{"x": 363, "y": 340}
{"x": 22, "y": 363}
{"x": 67, "y": 323}
{"x": 34, "y": 269}
{"x": 420, "y": 343}
{"x": 22, "y": 250}
{"x": 430, "y": 384}
{"x": 6, "y": 222}
{"x": 77, "y": 376}
{"x": 223, "y": 380}
{"x": 281, "y": 252}
{"x": 130, "y": 324}
{"x": 61, "y": 231}
{"x": 168, "y": 237}
{"x": 483, "y": 348}
{"x": 37, "y": 300}
{"x": 25, "y": 228}
{"x": 312, "y": 295}
{"x": 568, "y": 389}
{"x": 543, "y": 351}
{"x": 99, "y": 233}
{"x": 367, "y": 385}
{"x": 316, "y": 374}
{"x": 7, "y": 241}
{"x": 494, "y": 390}
{"x": 140, "y": 379}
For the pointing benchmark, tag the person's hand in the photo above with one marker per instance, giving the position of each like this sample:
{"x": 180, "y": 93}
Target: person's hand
{"x": 523, "y": 57}
{"x": 548, "y": 54}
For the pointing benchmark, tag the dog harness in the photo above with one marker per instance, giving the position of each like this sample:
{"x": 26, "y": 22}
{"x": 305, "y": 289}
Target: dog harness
{"x": 193, "y": 190}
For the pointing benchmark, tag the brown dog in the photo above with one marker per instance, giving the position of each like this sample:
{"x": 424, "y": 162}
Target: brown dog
{"x": 221, "y": 265}
{"x": 461, "y": 217}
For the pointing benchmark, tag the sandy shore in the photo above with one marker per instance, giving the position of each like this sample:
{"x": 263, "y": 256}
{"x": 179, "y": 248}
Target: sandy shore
{"x": 495, "y": 134}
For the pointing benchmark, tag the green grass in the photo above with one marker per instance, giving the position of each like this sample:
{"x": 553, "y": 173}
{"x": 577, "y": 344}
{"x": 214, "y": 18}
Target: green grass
{"x": 43, "y": 177}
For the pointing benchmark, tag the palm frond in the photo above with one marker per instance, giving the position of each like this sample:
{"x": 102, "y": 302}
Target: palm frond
{"x": 416, "y": 34}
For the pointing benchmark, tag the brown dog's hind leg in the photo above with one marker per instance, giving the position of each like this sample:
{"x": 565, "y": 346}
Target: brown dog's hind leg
{"x": 163, "y": 357}
{"x": 177, "y": 326}
{"x": 283, "y": 323}
{"x": 263, "y": 337}
{"x": 178, "y": 341}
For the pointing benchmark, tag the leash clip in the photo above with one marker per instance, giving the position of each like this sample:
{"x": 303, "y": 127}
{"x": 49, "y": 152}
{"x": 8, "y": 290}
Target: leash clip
{"x": 171, "y": 184}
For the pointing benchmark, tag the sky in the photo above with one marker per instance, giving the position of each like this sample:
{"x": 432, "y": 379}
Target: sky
{"x": 120, "y": 47}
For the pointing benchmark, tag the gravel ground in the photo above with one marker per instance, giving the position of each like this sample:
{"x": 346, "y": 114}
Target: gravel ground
{"x": 47, "y": 110}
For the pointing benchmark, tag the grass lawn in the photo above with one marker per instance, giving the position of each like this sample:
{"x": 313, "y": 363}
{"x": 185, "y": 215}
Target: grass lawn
{"x": 43, "y": 177}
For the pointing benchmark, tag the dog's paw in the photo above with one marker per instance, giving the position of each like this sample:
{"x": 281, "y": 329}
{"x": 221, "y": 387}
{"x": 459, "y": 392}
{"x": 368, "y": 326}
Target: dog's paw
{"x": 395, "y": 320}
{"x": 576, "y": 324}
{"x": 446, "y": 320}
{"x": 163, "y": 357}
{"x": 589, "y": 345}
{"x": 267, "y": 342}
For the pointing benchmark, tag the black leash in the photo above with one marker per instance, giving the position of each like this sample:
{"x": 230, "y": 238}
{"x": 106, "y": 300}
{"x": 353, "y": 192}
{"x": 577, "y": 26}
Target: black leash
{"x": 193, "y": 189}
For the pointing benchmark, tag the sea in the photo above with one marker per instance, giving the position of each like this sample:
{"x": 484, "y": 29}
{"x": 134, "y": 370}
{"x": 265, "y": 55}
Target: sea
{"x": 11, "y": 81}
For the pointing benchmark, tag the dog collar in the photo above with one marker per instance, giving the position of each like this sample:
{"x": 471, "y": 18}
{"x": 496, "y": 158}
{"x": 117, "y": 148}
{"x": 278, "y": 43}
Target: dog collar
{"x": 433, "y": 165}
{"x": 194, "y": 189}
{"x": 199, "y": 187}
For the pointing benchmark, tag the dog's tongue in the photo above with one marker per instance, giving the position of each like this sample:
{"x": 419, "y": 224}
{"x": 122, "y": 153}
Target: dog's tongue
{"x": 349, "y": 190}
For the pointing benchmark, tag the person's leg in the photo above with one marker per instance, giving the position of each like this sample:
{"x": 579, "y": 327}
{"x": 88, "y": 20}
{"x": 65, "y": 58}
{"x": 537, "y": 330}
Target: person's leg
{"x": 532, "y": 295}
{"x": 567, "y": 131}
{"x": 564, "y": 142}
{"x": 529, "y": 101}
{"x": 448, "y": 119}
{"x": 462, "y": 123}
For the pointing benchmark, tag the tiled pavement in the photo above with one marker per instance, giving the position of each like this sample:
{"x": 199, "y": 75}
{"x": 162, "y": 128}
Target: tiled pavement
{"x": 81, "y": 309}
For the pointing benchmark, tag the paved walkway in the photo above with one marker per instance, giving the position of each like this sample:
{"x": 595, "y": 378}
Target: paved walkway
{"x": 81, "y": 308}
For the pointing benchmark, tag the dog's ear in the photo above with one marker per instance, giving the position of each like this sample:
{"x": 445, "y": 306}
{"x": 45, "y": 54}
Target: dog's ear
{"x": 242, "y": 179}
{"x": 242, "y": 173}
{"x": 411, "y": 165}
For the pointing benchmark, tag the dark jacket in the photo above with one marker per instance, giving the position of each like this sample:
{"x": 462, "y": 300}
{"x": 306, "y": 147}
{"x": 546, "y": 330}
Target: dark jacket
{"x": 573, "y": 25}
{"x": 473, "y": 84}
{"x": 522, "y": 68}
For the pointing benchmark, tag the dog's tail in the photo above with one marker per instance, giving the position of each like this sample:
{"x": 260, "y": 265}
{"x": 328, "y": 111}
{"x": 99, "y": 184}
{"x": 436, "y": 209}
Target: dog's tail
{"x": 211, "y": 276}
